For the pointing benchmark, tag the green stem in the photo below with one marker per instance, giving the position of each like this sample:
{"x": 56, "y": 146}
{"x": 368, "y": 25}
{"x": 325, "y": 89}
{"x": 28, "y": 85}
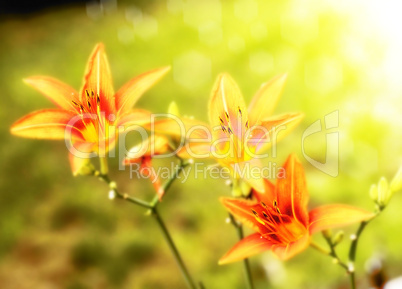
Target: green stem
{"x": 154, "y": 212}
{"x": 170, "y": 181}
{"x": 246, "y": 263}
{"x": 173, "y": 249}
{"x": 353, "y": 251}
{"x": 332, "y": 252}
{"x": 126, "y": 197}
{"x": 104, "y": 169}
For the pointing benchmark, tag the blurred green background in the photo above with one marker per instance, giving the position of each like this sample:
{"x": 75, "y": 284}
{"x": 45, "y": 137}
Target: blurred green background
{"x": 57, "y": 231}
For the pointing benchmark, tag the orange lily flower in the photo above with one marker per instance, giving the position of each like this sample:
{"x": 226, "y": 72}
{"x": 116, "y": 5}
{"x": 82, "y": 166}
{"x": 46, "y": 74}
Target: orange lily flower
{"x": 87, "y": 119}
{"x": 281, "y": 218}
{"x": 157, "y": 145}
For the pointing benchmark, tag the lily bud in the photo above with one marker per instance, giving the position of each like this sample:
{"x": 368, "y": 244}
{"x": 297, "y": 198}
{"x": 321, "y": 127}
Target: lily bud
{"x": 384, "y": 193}
{"x": 338, "y": 238}
{"x": 396, "y": 183}
{"x": 173, "y": 109}
{"x": 327, "y": 234}
{"x": 86, "y": 169}
{"x": 374, "y": 193}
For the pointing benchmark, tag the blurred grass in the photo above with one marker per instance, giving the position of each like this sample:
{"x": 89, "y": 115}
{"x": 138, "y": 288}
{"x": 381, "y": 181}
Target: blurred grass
{"x": 57, "y": 231}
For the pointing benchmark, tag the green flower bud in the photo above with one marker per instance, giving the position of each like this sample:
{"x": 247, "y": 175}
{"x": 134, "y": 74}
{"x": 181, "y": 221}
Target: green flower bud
{"x": 173, "y": 109}
{"x": 374, "y": 193}
{"x": 384, "y": 193}
{"x": 86, "y": 169}
{"x": 327, "y": 234}
{"x": 396, "y": 183}
{"x": 338, "y": 238}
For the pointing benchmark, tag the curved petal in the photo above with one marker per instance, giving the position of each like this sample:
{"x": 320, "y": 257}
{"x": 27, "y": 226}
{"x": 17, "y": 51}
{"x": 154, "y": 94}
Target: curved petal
{"x": 291, "y": 249}
{"x": 135, "y": 117}
{"x": 245, "y": 248}
{"x": 251, "y": 171}
{"x": 332, "y": 216}
{"x": 269, "y": 194}
{"x": 291, "y": 191}
{"x": 46, "y": 124}
{"x": 273, "y": 129}
{"x": 58, "y": 92}
{"x": 98, "y": 79}
{"x": 128, "y": 95}
{"x": 77, "y": 162}
{"x": 195, "y": 150}
{"x": 263, "y": 103}
{"x": 241, "y": 209}
{"x": 227, "y": 109}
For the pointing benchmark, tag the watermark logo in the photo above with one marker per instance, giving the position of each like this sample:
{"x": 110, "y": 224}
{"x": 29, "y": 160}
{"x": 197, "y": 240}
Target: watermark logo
{"x": 331, "y": 164}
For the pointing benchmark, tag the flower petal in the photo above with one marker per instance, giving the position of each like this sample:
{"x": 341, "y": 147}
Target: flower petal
{"x": 135, "y": 117}
{"x": 241, "y": 209}
{"x": 292, "y": 249}
{"x": 58, "y": 92}
{"x": 46, "y": 124}
{"x": 332, "y": 216}
{"x": 264, "y": 102}
{"x": 77, "y": 162}
{"x": 128, "y": 95}
{"x": 272, "y": 130}
{"x": 99, "y": 80}
{"x": 291, "y": 191}
{"x": 269, "y": 194}
{"x": 250, "y": 171}
{"x": 245, "y": 248}
{"x": 227, "y": 108}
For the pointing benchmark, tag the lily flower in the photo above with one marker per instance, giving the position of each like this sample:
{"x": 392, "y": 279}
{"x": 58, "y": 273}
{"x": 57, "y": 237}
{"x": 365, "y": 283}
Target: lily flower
{"x": 280, "y": 217}
{"x": 87, "y": 119}
{"x": 240, "y": 135}
{"x": 142, "y": 155}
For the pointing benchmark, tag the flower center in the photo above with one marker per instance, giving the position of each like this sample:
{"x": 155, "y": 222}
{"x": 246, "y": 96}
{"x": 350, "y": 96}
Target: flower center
{"x": 279, "y": 228}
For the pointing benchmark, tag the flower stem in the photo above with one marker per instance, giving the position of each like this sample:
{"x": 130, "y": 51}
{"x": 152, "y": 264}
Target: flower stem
{"x": 173, "y": 249}
{"x": 246, "y": 263}
{"x": 155, "y": 213}
{"x": 170, "y": 181}
{"x": 353, "y": 251}
{"x": 104, "y": 169}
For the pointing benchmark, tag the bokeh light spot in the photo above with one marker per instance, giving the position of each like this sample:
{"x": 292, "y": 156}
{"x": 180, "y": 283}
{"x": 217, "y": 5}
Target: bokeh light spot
{"x": 210, "y": 33}
{"x": 198, "y": 64}
{"x": 323, "y": 74}
{"x": 258, "y": 30}
{"x": 246, "y": 10}
{"x": 299, "y": 26}
{"x": 145, "y": 27}
{"x": 236, "y": 44}
{"x": 261, "y": 62}
{"x": 197, "y": 12}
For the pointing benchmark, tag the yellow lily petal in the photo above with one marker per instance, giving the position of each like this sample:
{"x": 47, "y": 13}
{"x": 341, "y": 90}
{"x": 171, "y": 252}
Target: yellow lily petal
{"x": 251, "y": 172}
{"x": 332, "y": 216}
{"x": 264, "y": 102}
{"x": 58, "y": 92}
{"x": 135, "y": 117}
{"x": 128, "y": 95}
{"x": 98, "y": 80}
{"x": 245, "y": 248}
{"x": 273, "y": 130}
{"x": 46, "y": 124}
{"x": 227, "y": 109}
